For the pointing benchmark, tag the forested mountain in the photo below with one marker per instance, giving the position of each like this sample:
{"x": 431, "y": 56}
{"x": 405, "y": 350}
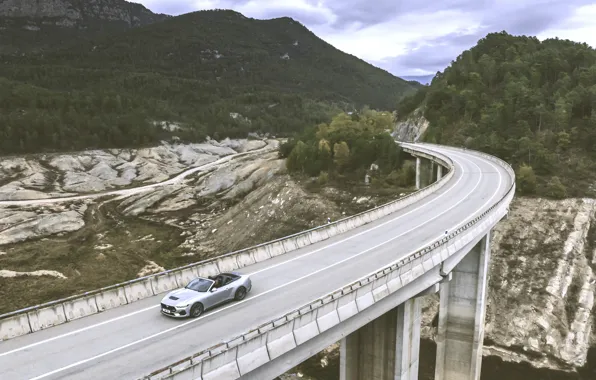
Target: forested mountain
{"x": 216, "y": 73}
{"x": 531, "y": 103}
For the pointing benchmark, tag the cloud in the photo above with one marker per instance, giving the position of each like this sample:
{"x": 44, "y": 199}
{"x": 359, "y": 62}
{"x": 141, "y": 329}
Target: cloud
{"x": 412, "y": 37}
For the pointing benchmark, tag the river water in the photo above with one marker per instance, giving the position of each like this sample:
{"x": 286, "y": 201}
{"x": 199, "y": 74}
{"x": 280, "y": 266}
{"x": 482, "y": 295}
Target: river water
{"x": 493, "y": 368}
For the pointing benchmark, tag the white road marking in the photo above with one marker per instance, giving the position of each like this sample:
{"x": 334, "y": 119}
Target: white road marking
{"x": 260, "y": 294}
{"x": 441, "y": 235}
{"x": 250, "y": 274}
{"x": 77, "y": 331}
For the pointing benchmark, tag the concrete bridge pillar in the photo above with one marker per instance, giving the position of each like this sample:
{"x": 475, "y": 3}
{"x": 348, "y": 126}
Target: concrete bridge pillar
{"x": 461, "y": 316}
{"x": 387, "y": 348}
{"x": 417, "y": 173}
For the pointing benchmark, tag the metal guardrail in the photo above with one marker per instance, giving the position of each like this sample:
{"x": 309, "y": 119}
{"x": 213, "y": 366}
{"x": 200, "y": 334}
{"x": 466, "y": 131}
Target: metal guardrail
{"x": 444, "y": 160}
{"x": 331, "y": 297}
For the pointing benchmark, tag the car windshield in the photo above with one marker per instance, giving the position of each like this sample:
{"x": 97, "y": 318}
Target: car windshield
{"x": 199, "y": 285}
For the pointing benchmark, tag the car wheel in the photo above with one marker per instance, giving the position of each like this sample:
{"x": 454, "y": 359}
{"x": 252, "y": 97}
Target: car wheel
{"x": 196, "y": 310}
{"x": 240, "y": 293}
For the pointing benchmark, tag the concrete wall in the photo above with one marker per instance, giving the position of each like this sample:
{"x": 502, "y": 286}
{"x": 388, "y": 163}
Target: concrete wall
{"x": 43, "y": 316}
{"x": 280, "y": 338}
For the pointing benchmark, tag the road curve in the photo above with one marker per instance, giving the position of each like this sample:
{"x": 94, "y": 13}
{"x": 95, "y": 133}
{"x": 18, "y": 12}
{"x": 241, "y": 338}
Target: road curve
{"x": 137, "y": 190}
{"x": 131, "y": 341}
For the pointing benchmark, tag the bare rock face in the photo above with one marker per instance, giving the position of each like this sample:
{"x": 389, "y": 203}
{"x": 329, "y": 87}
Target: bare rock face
{"x": 76, "y": 13}
{"x": 412, "y": 129}
{"x": 541, "y": 284}
{"x": 21, "y": 225}
{"x": 94, "y": 171}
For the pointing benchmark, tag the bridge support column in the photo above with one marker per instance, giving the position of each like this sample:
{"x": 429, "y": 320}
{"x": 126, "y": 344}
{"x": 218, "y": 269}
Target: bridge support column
{"x": 417, "y": 173}
{"x": 461, "y": 317}
{"x": 386, "y": 348}
{"x": 432, "y": 172}
{"x": 439, "y": 172}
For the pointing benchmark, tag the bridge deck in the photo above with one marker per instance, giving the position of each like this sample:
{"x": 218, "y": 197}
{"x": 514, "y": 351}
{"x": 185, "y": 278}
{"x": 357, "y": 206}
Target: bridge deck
{"x": 132, "y": 340}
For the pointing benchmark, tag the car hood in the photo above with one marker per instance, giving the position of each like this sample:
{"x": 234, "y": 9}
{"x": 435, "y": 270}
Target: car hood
{"x": 182, "y": 296}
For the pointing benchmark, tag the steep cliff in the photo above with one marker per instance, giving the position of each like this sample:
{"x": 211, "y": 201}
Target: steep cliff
{"x": 412, "y": 128}
{"x": 541, "y": 284}
{"x": 39, "y": 24}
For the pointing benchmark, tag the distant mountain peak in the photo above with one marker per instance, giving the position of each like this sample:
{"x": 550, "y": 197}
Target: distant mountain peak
{"x": 79, "y": 11}
{"x": 29, "y": 20}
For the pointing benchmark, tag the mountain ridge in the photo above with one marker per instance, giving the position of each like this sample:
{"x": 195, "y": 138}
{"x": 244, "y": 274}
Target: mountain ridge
{"x": 214, "y": 73}
{"x": 36, "y": 25}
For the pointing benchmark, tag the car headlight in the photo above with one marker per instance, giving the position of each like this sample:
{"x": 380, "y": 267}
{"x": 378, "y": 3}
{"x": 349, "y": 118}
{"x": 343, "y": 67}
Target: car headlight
{"x": 182, "y": 307}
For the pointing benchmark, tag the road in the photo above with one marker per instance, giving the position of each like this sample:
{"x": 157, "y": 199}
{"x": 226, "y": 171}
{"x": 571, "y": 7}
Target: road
{"x": 131, "y": 341}
{"x": 141, "y": 189}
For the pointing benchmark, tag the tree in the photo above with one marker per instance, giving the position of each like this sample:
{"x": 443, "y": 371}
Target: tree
{"x": 563, "y": 140}
{"x": 325, "y": 156}
{"x": 297, "y": 158}
{"x": 526, "y": 180}
{"x": 556, "y": 189}
{"x": 341, "y": 155}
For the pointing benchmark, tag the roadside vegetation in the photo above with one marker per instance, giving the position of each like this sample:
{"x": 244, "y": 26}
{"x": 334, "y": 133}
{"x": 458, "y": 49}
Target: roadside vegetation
{"x": 349, "y": 149}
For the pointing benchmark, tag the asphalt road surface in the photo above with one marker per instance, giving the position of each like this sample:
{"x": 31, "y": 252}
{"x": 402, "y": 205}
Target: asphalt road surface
{"x": 133, "y": 340}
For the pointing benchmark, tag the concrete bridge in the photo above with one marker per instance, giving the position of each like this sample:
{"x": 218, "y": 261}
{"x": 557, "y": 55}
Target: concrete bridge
{"x": 358, "y": 281}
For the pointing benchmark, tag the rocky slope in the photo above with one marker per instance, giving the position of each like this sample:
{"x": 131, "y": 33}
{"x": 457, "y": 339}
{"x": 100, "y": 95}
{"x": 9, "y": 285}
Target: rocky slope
{"x": 412, "y": 128}
{"x": 541, "y": 286}
{"x": 548, "y": 314}
{"x": 28, "y": 22}
{"x": 45, "y": 176}
{"x": 75, "y": 13}
{"x": 53, "y": 250}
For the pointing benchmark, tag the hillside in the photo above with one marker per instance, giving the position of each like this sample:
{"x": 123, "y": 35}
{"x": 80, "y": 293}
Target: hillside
{"x": 33, "y": 25}
{"x": 214, "y": 73}
{"x": 531, "y": 103}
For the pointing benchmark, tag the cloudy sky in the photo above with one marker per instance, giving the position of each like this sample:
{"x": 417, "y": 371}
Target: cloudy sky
{"x": 412, "y": 37}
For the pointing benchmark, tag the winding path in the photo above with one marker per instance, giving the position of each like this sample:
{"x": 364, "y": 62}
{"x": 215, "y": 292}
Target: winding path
{"x": 136, "y": 190}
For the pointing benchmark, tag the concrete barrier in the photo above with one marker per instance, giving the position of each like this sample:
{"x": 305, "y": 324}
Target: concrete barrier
{"x": 276, "y": 249}
{"x": 109, "y": 299}
{"x": 14, "y": 326}
{"x": 303, "y": 241}
{"x": 221, "y": 366}
{"x": 297, "y": 327}
{"x": 245, "y": 259}
{"x": 134, "y": 290}
{"x": 184, "y": 276}
{"x": 281, "y": 340}
{"x": 252, "y": 354}
{"x": 138, "y": 290}
{"x": 164, "y": 283}
{"x": 261, "y": 254}
{"x": 79, "y": 308}
{"x": 47, "y": 317}
{"x": 208, "y": 269}
{"x": 227, "y": 263}
{"x": 289, "y": 245}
